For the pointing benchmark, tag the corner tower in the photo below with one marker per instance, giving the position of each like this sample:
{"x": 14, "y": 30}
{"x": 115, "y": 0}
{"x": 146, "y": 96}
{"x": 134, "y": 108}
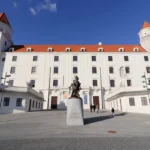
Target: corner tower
{"x": 5, "y": 33}
{"x": 144, "y": 36}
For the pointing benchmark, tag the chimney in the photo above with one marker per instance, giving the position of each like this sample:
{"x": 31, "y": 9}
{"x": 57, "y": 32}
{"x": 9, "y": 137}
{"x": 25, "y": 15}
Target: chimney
{"x": 99, "y": 43}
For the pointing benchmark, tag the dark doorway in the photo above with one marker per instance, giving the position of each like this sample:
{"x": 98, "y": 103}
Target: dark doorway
{"x": 30, "y": 105}
{"x": 96, "y": 100}
{"x": 54, "y": 102}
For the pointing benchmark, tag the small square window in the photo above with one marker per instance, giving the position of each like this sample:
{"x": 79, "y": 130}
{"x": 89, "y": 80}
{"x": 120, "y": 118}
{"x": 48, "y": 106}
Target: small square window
{"x": 146, "y": 58}
{"x": 32, "y": 83}
{"x": 75, "y": 70}
{"x": 148, "y": 69}
{"x": 3, "y": 59}
{"x": 131, "y": 102}
{"x": 33, "y": 70}
{"x": 129, "y": 83}
{"x": 12, "y": 70}
{"x": 75, "y": 58}
{"x": 126, "y": 58}
{"x": 144, "y": 101}
{"x": 6, "y": 101}
{"x": 35, "y": 58}
{"x": 55, "y": 82}
{"x": 93, "y": 58}
{"x": 10, "y": 82}
{"x": 127, "y": 69}
{"x": 112, "y": 83}
{"x": 94, "y": 70}
{"x": 94, "y": 82}
{"x": 14, "y": 58}
{"x": 110, "y": 58}
{"x": 111, "y": 70}
{"x": 56, "y": 58}
{"x": 19, "y": 102}
{"x": 55, "y": 69}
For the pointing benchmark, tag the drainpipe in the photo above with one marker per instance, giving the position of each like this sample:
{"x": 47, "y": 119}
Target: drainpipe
{"x": 49, "y": 88}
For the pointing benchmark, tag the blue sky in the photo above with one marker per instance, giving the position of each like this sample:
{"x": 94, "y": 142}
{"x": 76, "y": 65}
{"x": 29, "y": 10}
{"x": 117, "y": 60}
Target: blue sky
{"x": 76, "y": 21}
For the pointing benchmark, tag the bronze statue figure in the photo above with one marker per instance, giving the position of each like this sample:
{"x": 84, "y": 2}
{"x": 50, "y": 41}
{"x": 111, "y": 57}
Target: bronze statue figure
{"x": 75, "y": 87}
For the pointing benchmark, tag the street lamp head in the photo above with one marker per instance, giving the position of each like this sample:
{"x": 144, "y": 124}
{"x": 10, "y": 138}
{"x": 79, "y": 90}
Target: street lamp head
{"x": 144, "y": 86}
{"x": 143, "y": 76}
{"x": 143, "y": 81}
{"x": 8, "y": 75}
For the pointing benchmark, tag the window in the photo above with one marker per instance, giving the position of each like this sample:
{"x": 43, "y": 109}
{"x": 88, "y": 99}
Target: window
{"x": 75, "y": 58}
{"x": 127, "y": 69}
{"x": 111, "y": 70}
{"x": 131, "y": 102}
{"x": 33, "y": 70}
{"x": 14, "y": 58}
{"x": 35, "y": 58}
{"x": 148, "y": 69}
{"x": 146, "y": 58}
{"x": 3, "y": 59}
{"x": 6, "y": 101}
{"x": 144, "y": 101}
{"x": 94, "y": 70}
{"x": 5, "y": 43}
{"x": 112, "y": 83}
{"x": 32, "y": 83}
{"x": 75, "y": 70}
{"x": 126, "y": 58}
{"x": 12, "y": 70}
{"x": 56, "y": 58}
{"x": 94, "y": 82}
{"x": 19, "y": 102}
{"x": 33, "y": 104}
{"x": 36, "y": 104}
{"x": 93, "y": 58}
{"x": 148, "y": 81}
{"x": 110, "y": 58}
{"x": 55, "y": 69}
{"x": 10, "y": 82}
{"x": 39, "y": 105}
{"x": 129, "y": 83}
{"x": 55, "y": 82}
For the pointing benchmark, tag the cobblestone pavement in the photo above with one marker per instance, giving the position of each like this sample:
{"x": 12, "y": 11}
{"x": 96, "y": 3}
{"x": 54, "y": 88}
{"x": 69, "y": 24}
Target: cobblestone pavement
{"x": 48, "y": 130}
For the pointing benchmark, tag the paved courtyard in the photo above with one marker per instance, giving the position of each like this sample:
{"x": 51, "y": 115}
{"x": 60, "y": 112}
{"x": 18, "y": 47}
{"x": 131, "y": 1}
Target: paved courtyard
{"x": 48, "y": 129}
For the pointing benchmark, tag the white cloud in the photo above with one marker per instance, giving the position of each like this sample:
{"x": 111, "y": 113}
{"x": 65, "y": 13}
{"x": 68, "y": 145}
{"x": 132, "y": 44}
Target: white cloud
{"x": 46, "y": 5}
{"x": 15, "y": 5}
{"x": 33, "y": 11}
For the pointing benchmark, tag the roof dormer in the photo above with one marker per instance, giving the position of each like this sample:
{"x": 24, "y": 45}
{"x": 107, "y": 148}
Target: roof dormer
{"x": 50, "y": 49}
{"x": 11, "y": 49}
{"x": 68, "y": 49}
{"x": 100, "y": 49}
{"x": 82, "y": 49}
{"x": 121, "y": 49}
{"x": 136, "y": 49}
{"x": 29, "y": 49}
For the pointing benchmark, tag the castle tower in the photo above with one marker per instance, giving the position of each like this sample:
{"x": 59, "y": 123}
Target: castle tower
{"x": 5, "y": 33}
{"x": 144, "y": 35}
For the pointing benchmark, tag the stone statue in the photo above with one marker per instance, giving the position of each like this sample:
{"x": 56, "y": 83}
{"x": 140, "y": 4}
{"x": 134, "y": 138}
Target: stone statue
{"x": 122, "y": 76}
{"x": 75, "y": 86}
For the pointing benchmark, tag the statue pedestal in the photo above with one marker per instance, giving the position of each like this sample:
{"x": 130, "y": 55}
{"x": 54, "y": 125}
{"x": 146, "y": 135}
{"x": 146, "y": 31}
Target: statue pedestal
{"x": 74, "y": 111}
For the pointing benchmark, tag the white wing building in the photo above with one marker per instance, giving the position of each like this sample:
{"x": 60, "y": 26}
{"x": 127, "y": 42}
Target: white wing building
{"x": 38, "y": 76}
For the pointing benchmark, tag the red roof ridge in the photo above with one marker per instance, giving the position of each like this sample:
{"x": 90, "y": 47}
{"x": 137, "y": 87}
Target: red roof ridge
{"x": 145, "y": 25}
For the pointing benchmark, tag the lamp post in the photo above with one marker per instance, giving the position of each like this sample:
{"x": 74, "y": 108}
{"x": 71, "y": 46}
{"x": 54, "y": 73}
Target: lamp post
{"x": 146, "y": 84}
{"x": 3, "y": 87}
{"x": 101, "y": 89}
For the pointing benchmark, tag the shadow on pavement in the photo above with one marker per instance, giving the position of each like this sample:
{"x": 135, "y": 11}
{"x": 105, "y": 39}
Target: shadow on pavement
{"x": 100, "y": 118}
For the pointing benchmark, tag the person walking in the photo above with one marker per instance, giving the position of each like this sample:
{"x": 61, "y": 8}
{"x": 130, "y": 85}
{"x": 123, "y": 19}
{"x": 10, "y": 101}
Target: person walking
{"x": 97, "y": 106}
{"x": 113, "y": 111}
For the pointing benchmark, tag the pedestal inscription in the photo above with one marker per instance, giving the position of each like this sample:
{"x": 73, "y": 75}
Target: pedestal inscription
{"x": 74, "y": 111}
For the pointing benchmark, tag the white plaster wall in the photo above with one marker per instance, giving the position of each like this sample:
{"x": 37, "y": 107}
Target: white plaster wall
{"x": 46, "y": 60}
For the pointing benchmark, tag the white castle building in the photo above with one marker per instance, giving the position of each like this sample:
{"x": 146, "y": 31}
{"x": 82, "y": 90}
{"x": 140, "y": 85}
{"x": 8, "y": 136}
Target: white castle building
{"x": 38, "y": 76}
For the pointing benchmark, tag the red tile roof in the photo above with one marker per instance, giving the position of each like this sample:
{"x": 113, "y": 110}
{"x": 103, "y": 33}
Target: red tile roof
{"x": 76, "y": 48}
{"x": 145, "y": 25}
{"x": 4, "y": 19}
